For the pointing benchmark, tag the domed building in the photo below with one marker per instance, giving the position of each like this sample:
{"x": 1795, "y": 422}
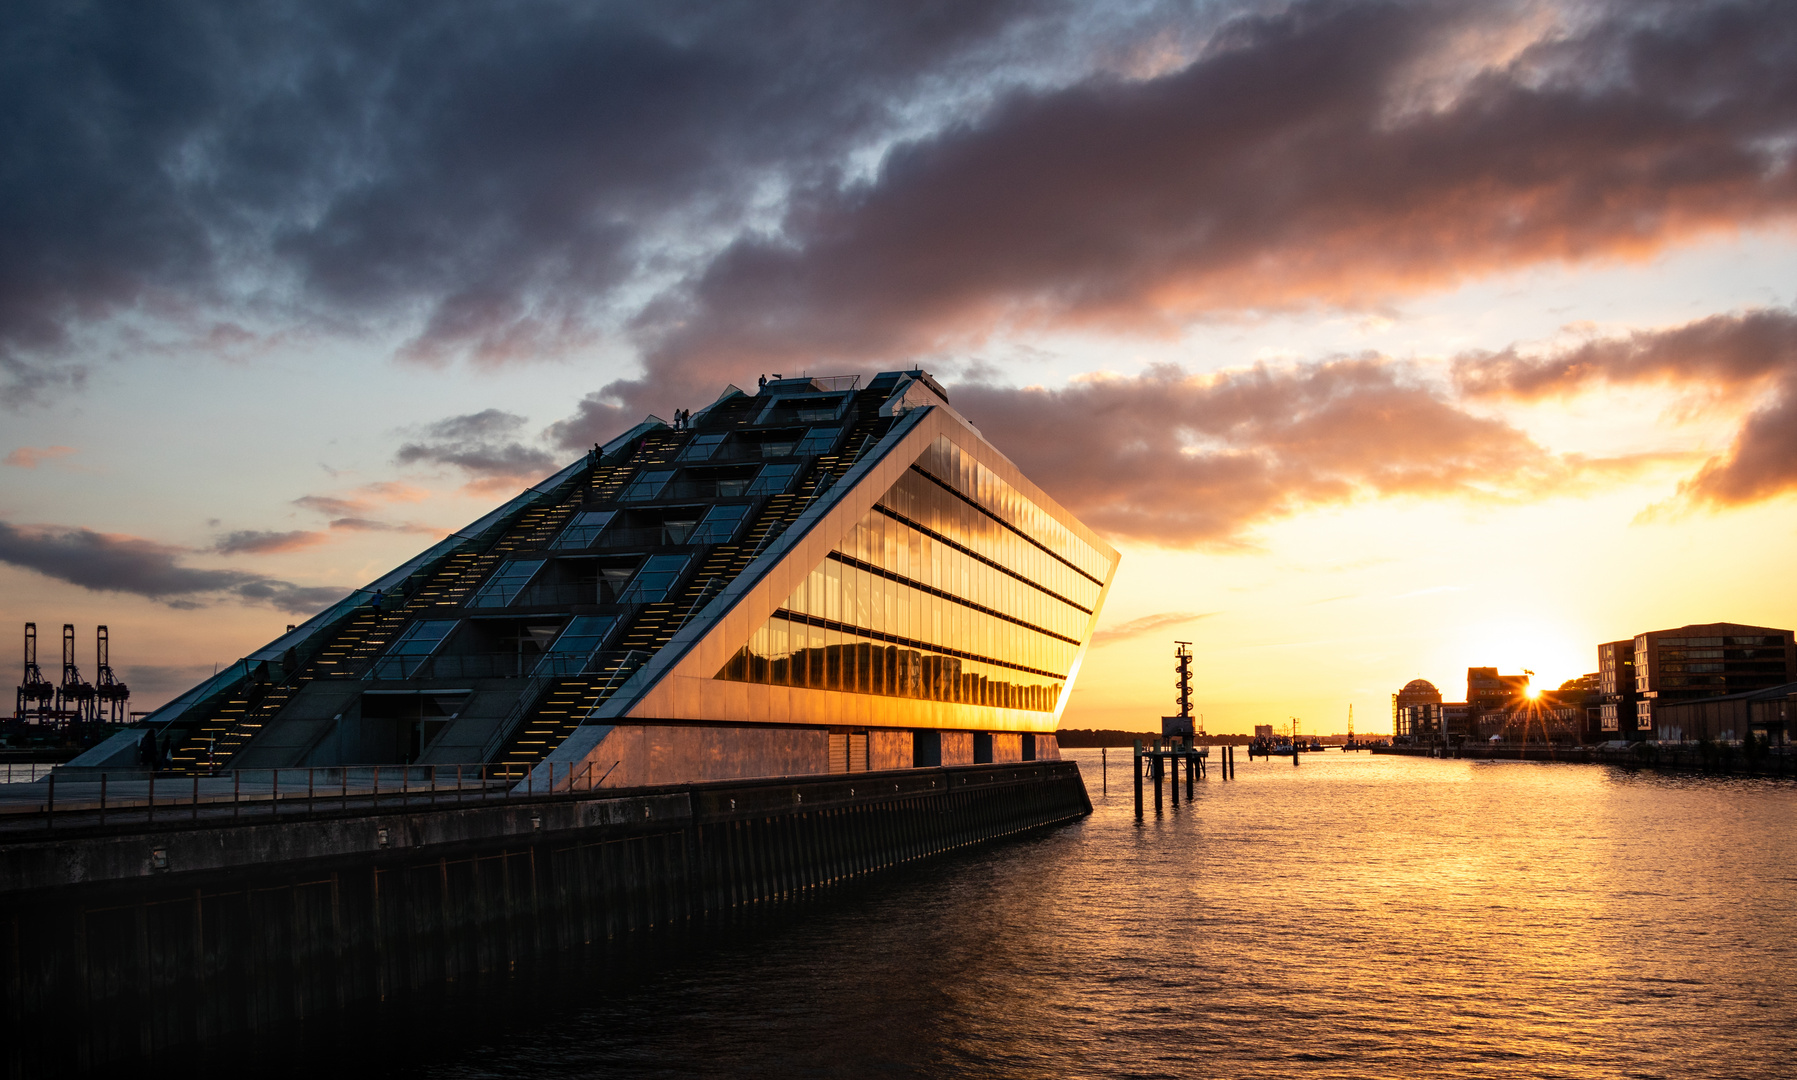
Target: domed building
{"x": 1416, "y": 709}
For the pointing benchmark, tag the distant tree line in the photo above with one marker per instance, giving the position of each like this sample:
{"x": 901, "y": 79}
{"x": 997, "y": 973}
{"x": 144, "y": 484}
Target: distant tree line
{"x": 1093, "y": 738}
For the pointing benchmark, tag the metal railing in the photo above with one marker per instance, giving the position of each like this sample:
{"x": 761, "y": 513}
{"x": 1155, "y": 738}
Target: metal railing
{"x": 253, "y": 796}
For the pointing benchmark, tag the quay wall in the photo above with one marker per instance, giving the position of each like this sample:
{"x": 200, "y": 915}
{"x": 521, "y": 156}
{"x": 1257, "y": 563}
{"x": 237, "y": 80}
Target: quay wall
{"x": 132, "y": 943}
{"x": 1722, "y": 759}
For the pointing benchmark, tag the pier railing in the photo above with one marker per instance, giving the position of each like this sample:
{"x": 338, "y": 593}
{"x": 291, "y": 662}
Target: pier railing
{"x": 124, "y": 799}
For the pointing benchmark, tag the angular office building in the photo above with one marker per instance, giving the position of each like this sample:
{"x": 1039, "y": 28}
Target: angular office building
{"x": 822, "y": 576}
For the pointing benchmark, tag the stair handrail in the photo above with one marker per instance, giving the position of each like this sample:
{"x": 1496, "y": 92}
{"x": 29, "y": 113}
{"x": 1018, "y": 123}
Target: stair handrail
{"x": 628, "y": 665}
{"x": 712, "y": 583}
{"x": 532, "y": 690}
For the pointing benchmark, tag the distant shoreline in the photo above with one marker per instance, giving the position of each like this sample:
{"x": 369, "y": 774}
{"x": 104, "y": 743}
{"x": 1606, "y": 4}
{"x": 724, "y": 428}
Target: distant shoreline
{"x": 1096, "y": 738}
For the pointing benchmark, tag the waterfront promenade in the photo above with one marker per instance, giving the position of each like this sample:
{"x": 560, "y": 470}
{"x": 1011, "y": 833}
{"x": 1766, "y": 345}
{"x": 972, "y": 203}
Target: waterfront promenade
{"x": 1688, "y": 757}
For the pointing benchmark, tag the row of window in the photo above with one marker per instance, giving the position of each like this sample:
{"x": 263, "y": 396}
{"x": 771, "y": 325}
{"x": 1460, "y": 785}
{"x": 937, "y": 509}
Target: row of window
{"x": 1641, "y": 642}
{"x": 713, "y": 525}
{"x": 916, "y": 498}
{"x": 789, "y": 652}
{"x": 892, "y": 545}
{"x": 417, "y": 652}
{"x": 950, "y": 464}
{"x": 847, "y": 594}
{"x": 659, "y": 483}
{"x": 651, "y": 583}
{"x": 776, "y": 444}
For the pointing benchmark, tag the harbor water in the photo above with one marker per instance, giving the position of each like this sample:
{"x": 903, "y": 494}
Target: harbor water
{"x": 1352, "y": 916}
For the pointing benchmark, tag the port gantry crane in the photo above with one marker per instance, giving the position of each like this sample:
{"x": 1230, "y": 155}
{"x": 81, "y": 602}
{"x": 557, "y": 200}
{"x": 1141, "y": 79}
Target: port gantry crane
{"x": 112, "y": 696}
{"x": 75, "y": 697}
{"x": 35, "y": 692}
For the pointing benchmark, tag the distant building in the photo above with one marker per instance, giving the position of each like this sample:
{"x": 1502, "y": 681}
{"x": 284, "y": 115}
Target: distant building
{"x": 1487, "y": 691}
{"x": 1263, "y": 731}
{"x": 1459, "y": 720}
{"x": 1706, "y": 660}
{"x": 1579, "y": 702}
{"x": 1416, "y": 710}
{"x": 1616, "y": 682}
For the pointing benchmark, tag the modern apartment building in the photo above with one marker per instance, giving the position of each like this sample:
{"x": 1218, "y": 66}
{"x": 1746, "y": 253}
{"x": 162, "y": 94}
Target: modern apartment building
{"x": 1705, "y": 660}
{"x": 1617, "y": 717}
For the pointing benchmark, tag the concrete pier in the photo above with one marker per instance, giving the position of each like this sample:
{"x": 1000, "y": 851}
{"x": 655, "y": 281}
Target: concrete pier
{"x": 128, "y": 941}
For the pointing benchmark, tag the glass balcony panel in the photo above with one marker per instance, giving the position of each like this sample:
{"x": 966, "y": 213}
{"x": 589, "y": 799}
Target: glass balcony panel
{"x": 700, "y": 448}
{"x": 655, "y": 580}
{"x": 773, "y": 479}
{"x": 506, "y": 583}
{"x": 583, "y": 530}
{"x": 648, "y": 485}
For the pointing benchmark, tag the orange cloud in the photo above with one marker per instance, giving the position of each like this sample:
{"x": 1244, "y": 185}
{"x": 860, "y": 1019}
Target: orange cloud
{"x": 1185, "y": 460}
{"x": 30, "y": 457}
{"x": 1749, "y": 357}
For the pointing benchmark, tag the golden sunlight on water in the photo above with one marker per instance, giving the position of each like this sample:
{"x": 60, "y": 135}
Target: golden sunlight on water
{"x": 1354, "y": 916}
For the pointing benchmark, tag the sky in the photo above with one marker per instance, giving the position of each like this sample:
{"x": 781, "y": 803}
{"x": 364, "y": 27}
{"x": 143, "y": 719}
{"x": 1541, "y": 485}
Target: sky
{"x": 1382, "y": 339}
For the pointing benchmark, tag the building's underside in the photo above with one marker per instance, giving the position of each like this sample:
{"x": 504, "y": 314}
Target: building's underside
{"x": 817, "y": 577}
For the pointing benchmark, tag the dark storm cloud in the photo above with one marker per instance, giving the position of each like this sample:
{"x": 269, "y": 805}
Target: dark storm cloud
{"x": 480, "y": 445}
{"x": 492, "y": 173}
{"x": 107, "y": 562}
{"x": 1749, "y": 356}
{"x": 1184, "y": 460}
{"x": 1320, "y": 155}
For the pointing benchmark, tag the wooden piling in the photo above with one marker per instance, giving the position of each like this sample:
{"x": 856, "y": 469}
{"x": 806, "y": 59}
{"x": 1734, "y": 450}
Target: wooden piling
{"x": 1138, "y": 772}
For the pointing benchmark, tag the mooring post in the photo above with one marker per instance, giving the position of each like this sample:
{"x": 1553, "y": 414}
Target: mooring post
{"x": 1156, "y": 765}
{"x": 1138, "y": 780}
{"x": 1193, "y": 765}
{"x": 1104, "y": 769}
{"x": 1174, "y": 776}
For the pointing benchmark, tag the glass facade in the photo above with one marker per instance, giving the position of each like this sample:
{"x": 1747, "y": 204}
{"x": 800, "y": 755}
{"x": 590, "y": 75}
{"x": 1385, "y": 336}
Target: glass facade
{"x": 955, "y": 587}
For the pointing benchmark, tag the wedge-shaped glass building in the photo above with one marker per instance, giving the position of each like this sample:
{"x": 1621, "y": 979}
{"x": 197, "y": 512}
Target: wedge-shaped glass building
{"x": 821, "y": 576}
